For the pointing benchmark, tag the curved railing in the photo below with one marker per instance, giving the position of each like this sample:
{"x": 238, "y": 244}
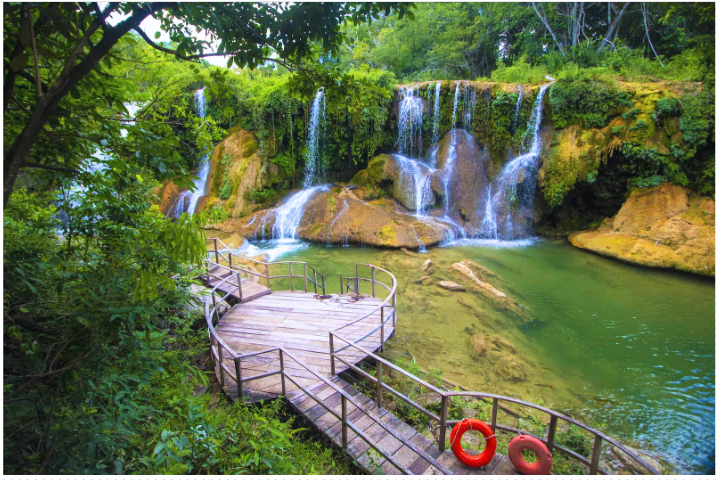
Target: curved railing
{"x": 219, "y": 351}
{"x": 444, "y": 423}
{"x": 232, "y": 265}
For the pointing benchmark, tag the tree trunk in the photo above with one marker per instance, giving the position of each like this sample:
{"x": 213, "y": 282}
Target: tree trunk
{"x": 542, "y": 16}
{"x": 613, "y": 25}
{"x": 69, "y": 78}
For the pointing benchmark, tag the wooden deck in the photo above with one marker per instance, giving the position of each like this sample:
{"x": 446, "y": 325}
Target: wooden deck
{"x": 300, "y": 322}
{"x": 358, "y": 449}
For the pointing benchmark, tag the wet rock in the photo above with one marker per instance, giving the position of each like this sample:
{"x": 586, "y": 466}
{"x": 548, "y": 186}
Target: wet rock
{"x": 631, "y": 465}
{"x": 497, "y": 298}
{"x": 426, "y": 266}
{"x": 452, "y": 286}
{"x": 425, "y": 280}
{"x": 408, "y": 252}
{"x": 665, "y": 226}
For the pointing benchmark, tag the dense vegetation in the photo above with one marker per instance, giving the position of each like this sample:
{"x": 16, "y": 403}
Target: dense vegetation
{"x": 103, "y": 345}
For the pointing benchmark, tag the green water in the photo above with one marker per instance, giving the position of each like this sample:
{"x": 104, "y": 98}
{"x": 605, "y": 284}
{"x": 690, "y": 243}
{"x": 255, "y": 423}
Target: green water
{"x": 628, "y": 349}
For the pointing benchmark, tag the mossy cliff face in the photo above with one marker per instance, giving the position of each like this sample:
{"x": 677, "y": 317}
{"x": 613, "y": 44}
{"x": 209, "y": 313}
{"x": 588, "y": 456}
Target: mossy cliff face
{"x": 664, "y": 226}
{"x": 241, "y": 181}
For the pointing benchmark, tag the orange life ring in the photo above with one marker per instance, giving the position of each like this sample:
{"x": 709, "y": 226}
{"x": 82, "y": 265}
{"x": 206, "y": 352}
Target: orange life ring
{"x": 524, "y": 442}
{"x": 473, "y": 461}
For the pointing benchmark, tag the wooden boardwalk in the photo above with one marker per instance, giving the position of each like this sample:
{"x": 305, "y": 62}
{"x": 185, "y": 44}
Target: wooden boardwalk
{"x": 299, "y": 322}
{"x": 301, "y": 345}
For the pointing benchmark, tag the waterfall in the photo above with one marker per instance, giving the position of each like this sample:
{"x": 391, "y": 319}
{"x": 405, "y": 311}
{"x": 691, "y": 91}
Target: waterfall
{"x": 516, "y": 184}
{"x": 410, "y": 122}
{"x": 314, "y": 161}
{"x": 469, "y": 105}
{"x": 452, "y": 153}
{"x": 414, "y": 180}
{"x": 436, "y": 114}
{"x": 489, "y": 223}
{"x": 289, "y": 214}
{"x": 186, "y": 202}
{"x": 517, "y": 110}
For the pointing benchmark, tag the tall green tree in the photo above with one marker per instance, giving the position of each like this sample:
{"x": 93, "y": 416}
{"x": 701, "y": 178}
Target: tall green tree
{"x": 60, "y": 49}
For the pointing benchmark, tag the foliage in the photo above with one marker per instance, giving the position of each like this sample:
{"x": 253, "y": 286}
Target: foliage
{"x": 585, "y": 103}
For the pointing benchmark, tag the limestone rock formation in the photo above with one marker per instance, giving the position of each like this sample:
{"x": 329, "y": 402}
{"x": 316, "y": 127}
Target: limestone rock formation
{"x": 664, "y": 226}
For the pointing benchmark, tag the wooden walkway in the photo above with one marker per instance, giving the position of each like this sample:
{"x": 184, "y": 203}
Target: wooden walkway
{"x": 398, "y": 449}
{"x": 299, "y": 322}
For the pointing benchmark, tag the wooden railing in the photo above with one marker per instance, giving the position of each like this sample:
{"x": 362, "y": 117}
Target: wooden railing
{"x": 443, "y": 423}
{"x": 219, "y": 351}
{"x": 232, "y": 262}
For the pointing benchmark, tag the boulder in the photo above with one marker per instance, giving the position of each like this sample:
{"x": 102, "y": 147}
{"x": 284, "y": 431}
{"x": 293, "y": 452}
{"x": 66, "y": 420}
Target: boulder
{"x": 479, "y": 346}
{"x": 452, "y": 286}
{"x": 426, "y": 266}
{"x": 665, "y": 226}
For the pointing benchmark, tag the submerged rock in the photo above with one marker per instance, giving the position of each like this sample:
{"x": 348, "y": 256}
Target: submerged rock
{"x": 452, "y": 286}
{"x": 664, "y": 226}
{"x": 426, "y": 266}
{"x": 498, "y": 299}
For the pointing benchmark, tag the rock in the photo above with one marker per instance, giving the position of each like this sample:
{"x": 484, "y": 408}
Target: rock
{"x": 665, "y": 226}
{"x": 479, "y": 346}
{"x": 424, "y": 280}
{"x": 452, "y": 286}
{"x": 631, "y": 465}
{"x": 408, "y": 252}
{"x": 498, "y": 299}
{"x": 426, "y": 266}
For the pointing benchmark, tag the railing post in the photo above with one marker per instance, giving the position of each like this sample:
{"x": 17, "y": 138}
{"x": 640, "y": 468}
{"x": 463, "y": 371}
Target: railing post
{"x": 238, "y": 281}
{"x": 372, "y": 278}
{"x": 552, "y": 431}
{"x": 443, "y": 421}
{"x": 230, "y": 262}
{"x": 333, "y": 360}
{"x": 268, "y": 277}
{"x": 239, "y": 387}
{"x": 315, "y": 281}
{"x": 357, "y": 288}
{"x": 305, "y": 278}
{"x": 290, "y": 274}
{"x": 221, "y": 365}
{"x": 323, "y": 285}
{"x": 283, "y": 378}
{"x": 341, "y": 277}
{"x": 216, "y": 252}
{"x": 494, "y": 415}
{"x": 596, "y": 451}
{"x": 395, "y": 310}
{"x": 344, "y": 420}
{"x": 382, "y": 329}
{"x": 379, "y": 385}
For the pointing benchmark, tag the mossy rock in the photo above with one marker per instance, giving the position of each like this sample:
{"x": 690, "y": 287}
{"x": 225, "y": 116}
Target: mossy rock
{"x": 372, "y": 175}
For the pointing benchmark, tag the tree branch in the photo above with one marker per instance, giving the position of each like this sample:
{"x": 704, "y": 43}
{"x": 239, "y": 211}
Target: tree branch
{"x": 50, "y": 167}
{"x": 646, "y": 27}
{"x": 613, "y": 25}
{"x": 543, "y": 16}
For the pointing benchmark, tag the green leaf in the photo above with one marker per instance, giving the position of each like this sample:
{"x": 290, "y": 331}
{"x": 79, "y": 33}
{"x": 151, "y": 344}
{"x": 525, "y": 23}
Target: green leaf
{"x": 158, "y": 448}
{"x": 83, "y": 321}
{"x": 157, "y": 35}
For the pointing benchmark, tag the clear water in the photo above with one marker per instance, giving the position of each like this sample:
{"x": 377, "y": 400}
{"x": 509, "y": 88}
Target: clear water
{"x": 630, "y": 350}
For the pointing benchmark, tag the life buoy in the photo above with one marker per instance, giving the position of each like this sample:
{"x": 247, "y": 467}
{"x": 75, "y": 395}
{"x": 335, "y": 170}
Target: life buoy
{"x": 524, "y": 442}
{"x": 473, "y": 461}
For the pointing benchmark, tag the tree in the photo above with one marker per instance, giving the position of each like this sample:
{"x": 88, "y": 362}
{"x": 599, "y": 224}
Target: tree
{"x": 68, "y": 41}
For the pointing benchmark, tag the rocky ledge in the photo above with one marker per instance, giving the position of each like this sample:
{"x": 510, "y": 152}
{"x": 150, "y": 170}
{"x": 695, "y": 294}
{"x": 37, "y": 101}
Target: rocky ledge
{"x": 665, "y": 226}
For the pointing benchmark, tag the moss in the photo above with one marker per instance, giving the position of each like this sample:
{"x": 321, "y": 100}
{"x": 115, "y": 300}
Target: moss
{"x": 388, "y": 236}
{"x": 372, "y": 175}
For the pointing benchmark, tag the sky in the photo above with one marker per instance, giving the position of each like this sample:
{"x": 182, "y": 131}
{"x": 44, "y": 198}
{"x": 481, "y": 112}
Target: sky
{"x": 151, "y": 26}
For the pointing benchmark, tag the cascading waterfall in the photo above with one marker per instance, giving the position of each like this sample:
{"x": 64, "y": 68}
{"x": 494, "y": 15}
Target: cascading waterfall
{"x": 436, "y": 114}
{"x": 468, "y": 106}
{"x": 314, "y": 161}
{"x": 452, "y": 154}
{"x": 410, "y": 122}
{"x": 517, "y": 110}
{"x": 186, "y": 202}
{"x": 288, "y": 215}
{"x": 515, "y": 186}
{"x": 489, "y": 222}
{"x": 415, "y": 181}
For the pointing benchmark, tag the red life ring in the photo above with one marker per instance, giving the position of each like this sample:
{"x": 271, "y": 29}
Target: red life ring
{"x": 473, "y": 461}
{"x": 524, "y": 442}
